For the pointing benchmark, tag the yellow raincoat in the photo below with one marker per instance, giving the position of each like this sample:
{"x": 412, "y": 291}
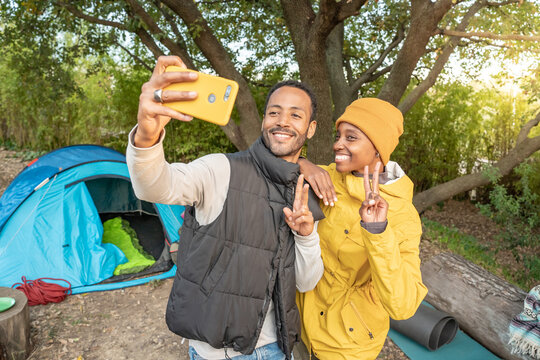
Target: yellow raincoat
{"x": 367, "y": 277}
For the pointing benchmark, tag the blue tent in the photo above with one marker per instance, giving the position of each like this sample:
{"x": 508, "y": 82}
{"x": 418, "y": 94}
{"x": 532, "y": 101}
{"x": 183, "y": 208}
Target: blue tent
{"x": 51, "y": 219}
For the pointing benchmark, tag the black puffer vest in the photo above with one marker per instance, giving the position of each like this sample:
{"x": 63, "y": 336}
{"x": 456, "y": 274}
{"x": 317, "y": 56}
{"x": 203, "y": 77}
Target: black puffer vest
{"x": 230, "y": 269}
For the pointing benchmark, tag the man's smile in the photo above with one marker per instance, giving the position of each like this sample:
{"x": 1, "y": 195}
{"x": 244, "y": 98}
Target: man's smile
{"x": 282, "y": 134}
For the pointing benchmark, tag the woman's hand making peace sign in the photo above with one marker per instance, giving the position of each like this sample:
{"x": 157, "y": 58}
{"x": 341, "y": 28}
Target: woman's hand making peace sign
{"x": 374, "y": 207}
{"x": 300, "y": 219}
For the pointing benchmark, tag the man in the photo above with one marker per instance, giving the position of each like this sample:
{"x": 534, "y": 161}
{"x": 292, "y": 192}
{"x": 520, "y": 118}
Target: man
{"x": 249, "y": 238}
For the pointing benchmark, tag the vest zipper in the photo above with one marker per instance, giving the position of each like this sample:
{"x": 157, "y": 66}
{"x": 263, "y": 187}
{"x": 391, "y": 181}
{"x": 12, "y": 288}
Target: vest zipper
{"x": 226, "y": 355}
{"x": 361, "y": 320}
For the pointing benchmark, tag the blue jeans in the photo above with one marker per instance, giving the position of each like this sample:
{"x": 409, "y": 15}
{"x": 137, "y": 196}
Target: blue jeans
{"x": 267, "y": 352}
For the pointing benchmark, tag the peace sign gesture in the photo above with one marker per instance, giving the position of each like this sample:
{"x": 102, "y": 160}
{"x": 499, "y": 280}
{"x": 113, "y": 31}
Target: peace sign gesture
{"x": 374, "y": 208}
{"x": 300, "y": 219}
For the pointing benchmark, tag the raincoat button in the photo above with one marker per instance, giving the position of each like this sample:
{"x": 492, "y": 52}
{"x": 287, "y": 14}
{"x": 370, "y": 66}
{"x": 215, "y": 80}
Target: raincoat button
{"x": 351, "y": 329}
{"x": 346, "y": 231}
{"x": 322, "y": 313}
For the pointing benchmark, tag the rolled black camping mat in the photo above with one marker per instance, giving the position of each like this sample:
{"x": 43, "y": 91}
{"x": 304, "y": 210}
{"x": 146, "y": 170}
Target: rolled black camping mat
{"x": 429, "y": 327}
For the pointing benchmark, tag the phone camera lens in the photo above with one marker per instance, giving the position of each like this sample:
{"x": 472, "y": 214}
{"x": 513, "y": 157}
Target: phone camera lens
{"x": 227, "y": 93}
{"x": 211, "y": 98}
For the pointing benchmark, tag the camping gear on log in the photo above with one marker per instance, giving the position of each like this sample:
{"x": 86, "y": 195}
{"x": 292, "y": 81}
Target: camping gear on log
{"x": 14, "y": 325}
{"x": 525, "y": 327}
{"x": 428, "y": 326}
{"x": 52, "y": 215}
{"x": 6, "y": 303}
{"x": 482, "y": 303}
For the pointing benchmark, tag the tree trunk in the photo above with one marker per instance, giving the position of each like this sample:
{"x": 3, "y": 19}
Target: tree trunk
{"x": 320, "y": 146}
{"x": 482, "y": 303}
{"x": 309, "y": 32}
{"x": 15, "y": 327}
{"x": 342, "y": 95}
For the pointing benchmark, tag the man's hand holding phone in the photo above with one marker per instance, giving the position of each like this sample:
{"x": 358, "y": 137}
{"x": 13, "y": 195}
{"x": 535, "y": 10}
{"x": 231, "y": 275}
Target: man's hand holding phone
{"x": 173, "y": 91}
{"x": 152, "y": 115}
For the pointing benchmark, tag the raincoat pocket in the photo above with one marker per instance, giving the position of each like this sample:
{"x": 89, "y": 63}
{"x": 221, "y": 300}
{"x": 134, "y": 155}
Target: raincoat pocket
{"x": 365, "y": 322}
{"x": 355, "y": 326}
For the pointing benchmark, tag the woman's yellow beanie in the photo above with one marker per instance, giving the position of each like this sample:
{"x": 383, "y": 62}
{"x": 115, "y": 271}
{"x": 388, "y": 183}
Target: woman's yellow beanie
{"x": 381, "y": 121}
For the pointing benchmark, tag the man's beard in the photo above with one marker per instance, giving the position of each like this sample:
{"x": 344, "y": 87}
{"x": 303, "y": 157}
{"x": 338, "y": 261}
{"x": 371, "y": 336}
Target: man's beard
{"x": 281, "y": 150}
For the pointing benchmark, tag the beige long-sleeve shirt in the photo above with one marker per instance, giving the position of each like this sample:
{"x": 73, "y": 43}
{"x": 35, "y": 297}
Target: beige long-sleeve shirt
{"x": 204, "y": 184}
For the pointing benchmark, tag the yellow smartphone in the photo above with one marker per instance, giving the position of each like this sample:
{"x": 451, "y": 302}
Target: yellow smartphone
{"x": 215, "y": 101}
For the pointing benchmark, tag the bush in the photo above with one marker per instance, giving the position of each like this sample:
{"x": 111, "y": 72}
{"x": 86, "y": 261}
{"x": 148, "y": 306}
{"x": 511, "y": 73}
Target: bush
{"x": 519, "y": 216}
{"x": 98, "y": 107}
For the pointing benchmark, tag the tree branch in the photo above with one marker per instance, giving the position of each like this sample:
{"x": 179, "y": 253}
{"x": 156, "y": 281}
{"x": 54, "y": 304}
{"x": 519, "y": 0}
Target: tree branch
{"x": 341, "y": 89}
{"x": 488, "y": 35}
{"x": 137, "y": 58}
{"x": 368, "y": 74}
{"x": 181, "y": 43}
{"x": 324, "y": 22}
{"x": 441, "y": 61}
{"x": 380, "y": 73}
{"x": 148, "y": 41}
{"x": 92, "y": 19}
{"x": 425, "y": 16}
{"x": 212, "y": 2}
{"x": 173, "y": 47}
{"x": 467, "y": 42}
{"x": 348, "y": 69}
{"x": 332, "y": 13}
{"x": 504, "y": 3}
{"x": 349, "y": 8}
{"x": 170, "y": 19}
{"x": 526, "y": 129}
{"x": 146, "y": 38}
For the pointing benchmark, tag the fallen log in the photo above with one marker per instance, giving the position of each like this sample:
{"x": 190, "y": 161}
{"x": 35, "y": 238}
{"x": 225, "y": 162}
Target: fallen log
{"x": 482, "y": 303}
{"x": 15, "y": 327}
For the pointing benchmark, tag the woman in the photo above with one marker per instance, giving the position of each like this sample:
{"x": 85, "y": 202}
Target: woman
{"x": 369, "y": 239}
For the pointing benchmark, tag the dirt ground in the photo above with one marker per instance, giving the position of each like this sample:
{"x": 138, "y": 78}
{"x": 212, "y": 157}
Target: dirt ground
{"x": 129, "y": 323}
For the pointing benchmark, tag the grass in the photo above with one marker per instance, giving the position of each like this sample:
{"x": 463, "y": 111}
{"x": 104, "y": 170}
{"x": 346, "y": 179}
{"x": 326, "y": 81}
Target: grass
{"x": 155, "y": 283}
{"x": 20, "y": 153}
{"x": 27, "y": 155}
{"x": 473, "y": 250}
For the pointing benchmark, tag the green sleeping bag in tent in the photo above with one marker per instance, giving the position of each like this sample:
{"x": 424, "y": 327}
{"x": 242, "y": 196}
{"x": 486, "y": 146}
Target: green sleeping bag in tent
{"x": 117, "y": 231}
